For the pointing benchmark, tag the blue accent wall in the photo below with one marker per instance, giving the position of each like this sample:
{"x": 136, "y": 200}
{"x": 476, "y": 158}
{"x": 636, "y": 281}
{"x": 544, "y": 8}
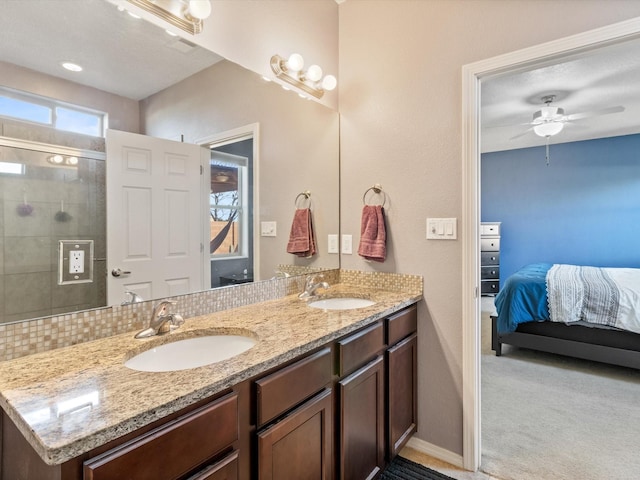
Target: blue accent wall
{"x": 583, "y": 208}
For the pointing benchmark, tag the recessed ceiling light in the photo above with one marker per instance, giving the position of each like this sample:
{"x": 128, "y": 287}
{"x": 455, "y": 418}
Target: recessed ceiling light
{"x": 72, "y": 67}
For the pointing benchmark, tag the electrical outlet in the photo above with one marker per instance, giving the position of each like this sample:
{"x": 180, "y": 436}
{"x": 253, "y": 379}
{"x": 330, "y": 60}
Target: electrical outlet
{"x": 347, "y": 244}
{"x": 76, "y": 261}
{"x": 332, "y": 243}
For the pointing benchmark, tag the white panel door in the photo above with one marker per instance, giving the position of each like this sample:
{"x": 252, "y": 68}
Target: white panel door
{"x": 154, "y": 217}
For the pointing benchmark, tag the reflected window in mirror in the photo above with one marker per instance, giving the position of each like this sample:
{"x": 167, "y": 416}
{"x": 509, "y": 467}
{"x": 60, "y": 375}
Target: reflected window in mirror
{"x": 231, "y": 213}
{"x": 227, "y": 204}
{"x": 51, "y": 113}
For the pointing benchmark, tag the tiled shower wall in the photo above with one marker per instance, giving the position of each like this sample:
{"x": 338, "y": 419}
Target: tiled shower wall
{"x": 31, "y": 226}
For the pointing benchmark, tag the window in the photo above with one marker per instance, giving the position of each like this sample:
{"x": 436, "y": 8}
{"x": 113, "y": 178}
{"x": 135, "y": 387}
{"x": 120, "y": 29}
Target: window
{"x": 52, "y": 113}
{"x": 227, "y": 203}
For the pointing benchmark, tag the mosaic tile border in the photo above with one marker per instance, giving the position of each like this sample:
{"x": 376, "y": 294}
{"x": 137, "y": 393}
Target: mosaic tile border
{"x": 25, "y": 338}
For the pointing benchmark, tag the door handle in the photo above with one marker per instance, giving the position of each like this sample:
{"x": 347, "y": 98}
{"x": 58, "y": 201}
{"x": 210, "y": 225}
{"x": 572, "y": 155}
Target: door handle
{"x": 116, "y": 272}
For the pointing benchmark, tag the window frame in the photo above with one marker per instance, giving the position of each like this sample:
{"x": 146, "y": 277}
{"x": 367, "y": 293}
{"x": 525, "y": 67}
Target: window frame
{"x": 52, "y": 105}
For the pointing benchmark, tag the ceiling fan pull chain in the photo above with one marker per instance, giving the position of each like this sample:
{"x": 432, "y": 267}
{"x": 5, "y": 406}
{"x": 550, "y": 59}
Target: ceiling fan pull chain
{"x": 547, "y": 154}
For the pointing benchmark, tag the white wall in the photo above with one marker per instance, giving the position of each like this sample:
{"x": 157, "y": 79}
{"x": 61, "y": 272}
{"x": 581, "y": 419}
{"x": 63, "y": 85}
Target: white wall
{"x": 401, "y": 126}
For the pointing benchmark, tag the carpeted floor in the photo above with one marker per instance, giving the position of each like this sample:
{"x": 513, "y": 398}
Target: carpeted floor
{"x": 402, "y": 469}
{"x": 551, "y": 417}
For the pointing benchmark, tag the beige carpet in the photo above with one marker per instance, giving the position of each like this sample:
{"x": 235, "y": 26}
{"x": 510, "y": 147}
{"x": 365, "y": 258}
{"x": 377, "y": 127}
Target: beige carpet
{"x": 550, "y": 417}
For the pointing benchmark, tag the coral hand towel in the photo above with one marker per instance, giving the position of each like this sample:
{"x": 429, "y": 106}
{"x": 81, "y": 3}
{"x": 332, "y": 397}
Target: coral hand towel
{"x": 301, "y": 238}
{"x": 373, "y": 234}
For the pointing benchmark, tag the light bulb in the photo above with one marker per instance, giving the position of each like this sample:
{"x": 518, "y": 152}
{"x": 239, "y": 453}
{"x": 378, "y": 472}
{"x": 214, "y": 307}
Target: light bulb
{"x": 295, "y": 62}
{"x": 72, "y": 161}
{"x": 200, "y": 9}
{"x": 57, "y": 159}
{"x": 548, "y": 129}
{"x": 329, "y": 83}
{"x": 314, "y": 73}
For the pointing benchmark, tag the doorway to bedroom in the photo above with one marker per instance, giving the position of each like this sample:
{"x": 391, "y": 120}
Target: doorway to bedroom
{"x": 555, "y": 196}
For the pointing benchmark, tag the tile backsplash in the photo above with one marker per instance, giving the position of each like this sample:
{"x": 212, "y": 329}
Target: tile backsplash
{"x": 25, "y": 338}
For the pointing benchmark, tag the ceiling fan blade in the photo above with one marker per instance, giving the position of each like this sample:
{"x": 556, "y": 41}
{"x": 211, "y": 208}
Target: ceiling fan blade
{"x": 521, "y": 134}
{"x": 594, "y": 113}
{"x": 506, "y": 125}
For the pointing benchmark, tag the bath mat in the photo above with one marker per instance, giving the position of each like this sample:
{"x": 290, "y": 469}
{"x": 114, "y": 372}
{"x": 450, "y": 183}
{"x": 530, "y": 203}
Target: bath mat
{"x": 402, "y": 469}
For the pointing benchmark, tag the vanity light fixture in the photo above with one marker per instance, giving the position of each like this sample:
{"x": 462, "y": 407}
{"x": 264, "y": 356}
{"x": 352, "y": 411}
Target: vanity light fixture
{"x": 187, "y": 15}
{"x": 311, "y": 81}
{"x": 62, "y": 160}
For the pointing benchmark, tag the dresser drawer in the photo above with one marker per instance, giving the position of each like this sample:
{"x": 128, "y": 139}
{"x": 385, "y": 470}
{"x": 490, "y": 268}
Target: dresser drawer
{"x": 490, "y": 229}
{"x": 359, "y": 348}
{"x": 489, "y": 273}
{"x": 489, "y": 258}
{"x": 489, "y": 286}
{"x": 174, "y": 449}
{"x": 490, "y": 244}
{"x": 401, "y": 325}
{"x": 286, "y": 388}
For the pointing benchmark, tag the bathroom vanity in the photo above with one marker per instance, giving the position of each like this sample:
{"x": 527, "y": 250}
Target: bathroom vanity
{"x": 323, "y": 394}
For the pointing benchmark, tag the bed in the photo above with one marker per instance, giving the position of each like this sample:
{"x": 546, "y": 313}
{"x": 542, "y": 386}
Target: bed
{"x": 580, "y": 311}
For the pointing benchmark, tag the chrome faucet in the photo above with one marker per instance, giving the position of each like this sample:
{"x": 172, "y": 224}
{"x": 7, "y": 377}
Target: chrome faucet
{"x": 311, "y": 286}
{"x": 161, "y": 321}
{"x": 132, "y": 297}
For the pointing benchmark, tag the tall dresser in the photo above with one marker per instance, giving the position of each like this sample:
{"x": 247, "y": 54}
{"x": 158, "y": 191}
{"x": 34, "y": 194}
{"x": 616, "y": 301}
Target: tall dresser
{"x": 489, "y": 258}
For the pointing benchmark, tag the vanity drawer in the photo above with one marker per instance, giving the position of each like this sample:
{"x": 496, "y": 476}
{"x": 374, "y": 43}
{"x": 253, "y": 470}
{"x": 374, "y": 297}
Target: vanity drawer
{"x": 225, "y": 469}
{"x": 401, "y": 325}
{"x": 359, "y": 348}
{"x": 174, "y": 449}
{"x": 489, "y": 258}
{"x": 286, "y": 388}
{"x": 490, "y": 244}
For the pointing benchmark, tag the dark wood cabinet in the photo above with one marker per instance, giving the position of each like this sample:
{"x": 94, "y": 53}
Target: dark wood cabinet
{"x": 300, "y": 446}
{"x": 361, "y": 434}
{"x": 341, "y": 411}
{"x": 402, "y": 401}
{"x": 402, "y": 379}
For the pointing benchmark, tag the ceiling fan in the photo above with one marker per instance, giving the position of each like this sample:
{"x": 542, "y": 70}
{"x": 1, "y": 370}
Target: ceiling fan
{"x": 550, "y": 120}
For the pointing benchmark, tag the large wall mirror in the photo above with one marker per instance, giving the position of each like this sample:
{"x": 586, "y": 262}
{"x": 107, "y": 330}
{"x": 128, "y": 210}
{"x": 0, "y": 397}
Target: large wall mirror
{"x": 195, "y": 97}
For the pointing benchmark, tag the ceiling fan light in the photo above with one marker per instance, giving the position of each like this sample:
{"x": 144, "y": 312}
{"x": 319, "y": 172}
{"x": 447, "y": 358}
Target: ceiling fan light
{"x": 548, "y": 129}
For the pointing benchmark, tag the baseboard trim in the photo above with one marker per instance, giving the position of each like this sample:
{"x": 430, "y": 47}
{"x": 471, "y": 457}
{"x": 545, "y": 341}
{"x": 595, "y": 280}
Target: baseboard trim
{"x": 436, "y": 452}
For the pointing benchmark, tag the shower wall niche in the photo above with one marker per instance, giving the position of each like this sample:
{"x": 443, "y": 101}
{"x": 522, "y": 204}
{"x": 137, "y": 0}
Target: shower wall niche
{"x": 48, "y": 196}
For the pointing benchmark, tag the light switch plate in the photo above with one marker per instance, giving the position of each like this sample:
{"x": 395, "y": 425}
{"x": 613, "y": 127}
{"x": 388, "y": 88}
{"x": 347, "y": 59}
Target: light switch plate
{"x": 268, "y": 229}
{"x": 75, "y": 261}
{"x": 347, "y": 244}
{"x": 442, "y": 229}
{"x": 332, "y": 243}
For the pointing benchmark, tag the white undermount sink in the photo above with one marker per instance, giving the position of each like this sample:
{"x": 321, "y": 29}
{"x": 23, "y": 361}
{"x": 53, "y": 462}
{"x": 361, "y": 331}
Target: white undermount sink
{"x": 190, "y": 353}
{"x": 341, "y": 303}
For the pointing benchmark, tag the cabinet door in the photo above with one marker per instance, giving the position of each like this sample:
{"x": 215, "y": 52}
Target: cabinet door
{"x": 299, "y": 447}
{"x": 362, "y": 422}
{"x": 402, "y": 377}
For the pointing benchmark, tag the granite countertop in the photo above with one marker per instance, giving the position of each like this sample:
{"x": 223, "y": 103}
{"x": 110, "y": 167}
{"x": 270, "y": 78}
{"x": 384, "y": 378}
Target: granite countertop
{"x": 70, "y": 400}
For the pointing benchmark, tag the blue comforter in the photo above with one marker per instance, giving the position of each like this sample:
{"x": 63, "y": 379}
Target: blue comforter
{"x": 523, "y": 298}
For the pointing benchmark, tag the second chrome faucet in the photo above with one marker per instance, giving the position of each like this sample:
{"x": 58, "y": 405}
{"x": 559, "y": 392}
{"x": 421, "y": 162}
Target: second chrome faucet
{"x": 161, "y": 320}
{"x": 312, "y": 285}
